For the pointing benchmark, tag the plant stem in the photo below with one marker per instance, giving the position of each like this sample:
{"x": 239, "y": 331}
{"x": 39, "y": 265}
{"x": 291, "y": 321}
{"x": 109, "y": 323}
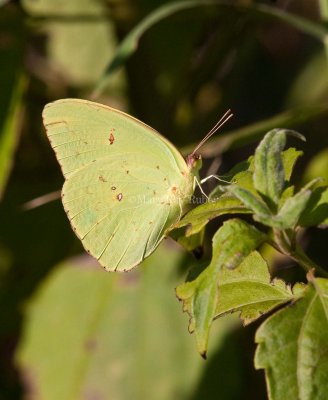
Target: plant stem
{"x": 323, "y": 7}
{"x": 296, "y": 254}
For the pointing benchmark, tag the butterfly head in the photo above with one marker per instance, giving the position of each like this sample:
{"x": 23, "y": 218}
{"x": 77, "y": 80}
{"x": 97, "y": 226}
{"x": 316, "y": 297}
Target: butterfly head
{"x": 194, "y": 162}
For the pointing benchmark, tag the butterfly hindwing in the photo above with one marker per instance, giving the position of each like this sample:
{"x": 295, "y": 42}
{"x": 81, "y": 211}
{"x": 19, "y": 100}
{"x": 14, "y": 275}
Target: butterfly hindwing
{"x": 122, "y": 178}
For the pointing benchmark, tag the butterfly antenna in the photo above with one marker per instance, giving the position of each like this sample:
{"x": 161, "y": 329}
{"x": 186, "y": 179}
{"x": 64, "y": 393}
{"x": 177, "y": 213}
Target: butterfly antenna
{"x": 225, "y": 118}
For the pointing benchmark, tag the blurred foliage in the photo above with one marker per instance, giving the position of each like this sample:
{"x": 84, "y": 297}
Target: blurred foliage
{"x": 187, "y": 69}
{"x": 129, "y": 342}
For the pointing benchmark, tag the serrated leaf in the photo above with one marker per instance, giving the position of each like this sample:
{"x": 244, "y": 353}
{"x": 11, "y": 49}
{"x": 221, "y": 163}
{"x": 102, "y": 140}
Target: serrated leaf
{"x": 269, "y": 174}
{"x": 231, "y": 244}
{"x": 249, "y": 290}
{"x": 316, "y": 211}
{"x": 293, "y": 347}
{"x": 198, "y": 217}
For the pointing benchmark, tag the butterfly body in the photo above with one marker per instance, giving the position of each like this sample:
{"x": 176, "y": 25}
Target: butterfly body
{"x": 125, "y": 185}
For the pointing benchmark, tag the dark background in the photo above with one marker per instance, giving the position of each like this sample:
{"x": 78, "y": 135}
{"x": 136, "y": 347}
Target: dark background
{"x": 188, "y": 69}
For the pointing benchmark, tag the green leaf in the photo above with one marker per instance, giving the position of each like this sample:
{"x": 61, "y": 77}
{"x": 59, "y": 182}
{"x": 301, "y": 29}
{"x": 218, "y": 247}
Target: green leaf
{"x": 316, "y": 211}
{"x": 244, "y": 179}
{"x": 78, "y": 24}
{"x": 249, "y": 290}
{"x": 286, "y": 194}
{"x": 89, "y": 334}
{"x": 269, "y": 174}
{"x": 192, "y": 243}
{"x": 289, "y": 158}
{"x": 201, "y": 215}
{"x": 231, "y": 244}
{"x": 242, "y": 173}
{"x": 287, "y": 216}
{"x": 70, "y": 8}
{"x": 293, "y": 347}
{"x": 250, "y": 200}
{"x": 310, "y": 77}
{"x": 318, "y": 166}
{"x": 290, "y": 212}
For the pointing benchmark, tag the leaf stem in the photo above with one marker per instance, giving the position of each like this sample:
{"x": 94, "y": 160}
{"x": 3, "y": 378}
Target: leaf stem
{"x": 296, "y": 253}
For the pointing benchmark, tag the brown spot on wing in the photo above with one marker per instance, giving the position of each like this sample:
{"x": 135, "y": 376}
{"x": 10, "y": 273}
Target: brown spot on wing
{"x": 111, "y": 138}
{"x": 102, "y": 179}
{"x": 119, "y": 196}
{"x": 113, "y": 187}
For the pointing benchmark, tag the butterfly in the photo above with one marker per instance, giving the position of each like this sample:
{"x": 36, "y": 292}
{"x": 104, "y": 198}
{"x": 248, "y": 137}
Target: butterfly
{"x": 126, "y": 186}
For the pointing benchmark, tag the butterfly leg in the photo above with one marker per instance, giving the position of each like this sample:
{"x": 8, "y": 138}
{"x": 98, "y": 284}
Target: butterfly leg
{"x": 215, "y": 177}
{"x": 196, "y": 182}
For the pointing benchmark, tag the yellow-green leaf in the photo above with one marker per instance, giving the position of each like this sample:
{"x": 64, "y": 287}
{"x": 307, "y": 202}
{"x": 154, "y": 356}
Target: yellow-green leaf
{"x": 293, "y": 347}
{"x": 231, "y": 244}
{"x": 249, "y": 290}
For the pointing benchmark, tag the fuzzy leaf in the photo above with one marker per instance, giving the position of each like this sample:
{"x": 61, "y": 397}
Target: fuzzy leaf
{"x": 249, "y": 290}
{"x": 231, "y": 244}
{"x": 249, "y": 199}
{"x": 293, "y": 347}
{"x": 242, "y": 173}
{"x": 201, "y": 215}
{"x": 292, "y": 209}
{"x": 269, "y": 174}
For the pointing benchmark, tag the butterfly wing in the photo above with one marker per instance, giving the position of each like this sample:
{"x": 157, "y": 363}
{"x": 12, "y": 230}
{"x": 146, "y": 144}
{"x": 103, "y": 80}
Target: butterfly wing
{"x": 125, "y": 184}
